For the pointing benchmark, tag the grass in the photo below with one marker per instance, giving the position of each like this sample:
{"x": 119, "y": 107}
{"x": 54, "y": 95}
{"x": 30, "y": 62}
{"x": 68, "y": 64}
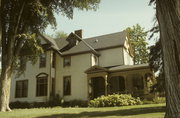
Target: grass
{"x": 138, "y": 111}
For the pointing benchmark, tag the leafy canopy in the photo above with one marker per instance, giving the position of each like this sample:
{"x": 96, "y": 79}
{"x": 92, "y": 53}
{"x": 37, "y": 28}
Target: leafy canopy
{"x": 60, "y": 34}
{"x": 137, "y": 37}
{"x": 23, "y": 20}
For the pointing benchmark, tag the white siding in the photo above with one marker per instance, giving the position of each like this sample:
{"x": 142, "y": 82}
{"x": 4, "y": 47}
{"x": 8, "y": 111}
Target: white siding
{"x": 79, "y": 63}
{"x": 30, "y": 75}
{"x": 111, "y": 57}
{"x": 128, "y": 60}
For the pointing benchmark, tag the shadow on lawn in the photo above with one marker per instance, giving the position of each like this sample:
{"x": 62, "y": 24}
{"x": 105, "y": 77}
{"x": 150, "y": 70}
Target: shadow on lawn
{"x": 126, "y": 112}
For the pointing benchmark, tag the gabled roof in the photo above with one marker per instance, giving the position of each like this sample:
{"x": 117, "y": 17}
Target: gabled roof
{"x": 108, "y": 40}
{"x": 97, "y": 43}
{"x": 50, "y": 40}
{"x": 89, "y": 44}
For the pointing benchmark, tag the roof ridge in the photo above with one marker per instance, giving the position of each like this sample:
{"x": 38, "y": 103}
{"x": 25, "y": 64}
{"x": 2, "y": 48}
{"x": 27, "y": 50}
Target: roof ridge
{"x": 105, "y": 34}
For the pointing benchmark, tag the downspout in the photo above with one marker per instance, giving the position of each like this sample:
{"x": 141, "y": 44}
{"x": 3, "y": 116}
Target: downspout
{"x": 50, "y": 78}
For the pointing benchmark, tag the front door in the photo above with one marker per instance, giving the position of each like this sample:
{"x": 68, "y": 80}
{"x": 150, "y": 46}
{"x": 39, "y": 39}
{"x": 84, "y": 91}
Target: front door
{"x": 98, "y": 86}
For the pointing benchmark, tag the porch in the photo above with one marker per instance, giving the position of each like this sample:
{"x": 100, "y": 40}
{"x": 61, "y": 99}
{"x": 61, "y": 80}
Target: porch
{"x": 135, "y": 80}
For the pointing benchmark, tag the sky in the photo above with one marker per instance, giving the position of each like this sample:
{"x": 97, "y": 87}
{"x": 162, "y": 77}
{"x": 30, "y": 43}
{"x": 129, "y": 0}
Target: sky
{"x": 111, "y": 16}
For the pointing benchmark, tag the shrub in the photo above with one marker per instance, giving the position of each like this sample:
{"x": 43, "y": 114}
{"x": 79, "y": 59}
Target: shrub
{"x": 54, "y": 101}
{"x": 75, "y": 103}
{"x": 148, "y": 102}
{"x": 18, "y": 104}
{"x": 159, "y": 100}
{"x": 115, "y": 100}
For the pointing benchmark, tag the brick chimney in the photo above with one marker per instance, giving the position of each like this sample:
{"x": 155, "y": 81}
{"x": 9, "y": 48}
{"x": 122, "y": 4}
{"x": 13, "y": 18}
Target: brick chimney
{"x": 79, "y": 33}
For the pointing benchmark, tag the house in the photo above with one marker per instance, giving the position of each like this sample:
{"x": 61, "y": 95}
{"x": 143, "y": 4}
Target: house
{"x": 82, "y": 69}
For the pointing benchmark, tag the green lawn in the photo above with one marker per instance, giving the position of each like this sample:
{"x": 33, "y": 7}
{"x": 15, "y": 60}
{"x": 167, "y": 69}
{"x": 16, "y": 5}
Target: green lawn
{"x": 139, "y": 111}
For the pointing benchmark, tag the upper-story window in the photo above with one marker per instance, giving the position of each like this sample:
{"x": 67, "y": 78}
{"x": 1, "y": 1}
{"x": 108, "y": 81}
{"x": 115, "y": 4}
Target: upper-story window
{"x": 67, "y": 61}
{"x": 42, "y": 60}
{"x": 94, "y": 60}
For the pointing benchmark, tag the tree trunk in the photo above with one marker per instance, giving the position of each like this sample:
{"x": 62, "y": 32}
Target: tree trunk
{"x": 168, "y": 15}
{"x": 8, "y": 53}
{"x": 5, "y": 85}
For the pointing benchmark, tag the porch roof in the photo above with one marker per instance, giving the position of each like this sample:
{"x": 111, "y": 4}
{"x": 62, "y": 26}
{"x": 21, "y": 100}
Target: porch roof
{"x": 129, "y": 67}
{"x": 96, "y": 69}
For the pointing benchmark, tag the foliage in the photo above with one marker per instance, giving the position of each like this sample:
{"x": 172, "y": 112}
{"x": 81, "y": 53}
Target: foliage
{"x": 18, "y": 104}
{"x": 33, "y": 16}
{"x": 159, "y": 100}
{"x": 19, "y": 20}
{"x": 29, "y": 52}
{"x": 137, "y": 39}
{"x": 114, "y": 100}
{"x": 156, "y": 59}
{"x": 75, "y": 103}
{"x": 54, "y": 101}
{"x": 60, "y": 34}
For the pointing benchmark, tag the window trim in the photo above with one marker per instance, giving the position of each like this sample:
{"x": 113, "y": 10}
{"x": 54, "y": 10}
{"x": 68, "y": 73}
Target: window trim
{"x": 40, "y": 60}
{"x": 26, "y": 80}
{"x": 46, "y": 85}
{"x": 64, "y": 86}
{"x": 64, "y": 64}
{"x": 120, "y": 79}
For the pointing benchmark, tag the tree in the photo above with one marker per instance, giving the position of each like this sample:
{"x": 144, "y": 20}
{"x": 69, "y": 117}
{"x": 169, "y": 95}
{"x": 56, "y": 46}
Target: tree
{"x": 138, "y": 42}
{"x": 168, "y": 16}
{"x": 156, "y": 63}
{"x": 20, "y": 19}
{"x": 60, "y": 34}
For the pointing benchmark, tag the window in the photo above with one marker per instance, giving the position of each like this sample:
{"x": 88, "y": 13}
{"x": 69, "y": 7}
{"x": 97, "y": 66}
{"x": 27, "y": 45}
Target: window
{"x": 117, "y": 84}
{"x": 54, "y": 60}
{"x": 94, "y": 60}
{"x": 42, "y": 60}
{"x": 138, "y": 83}
{"x": 41, "y": 87}
{"x": 67, "y": 61}
{"x": 21, "y": 88}
{"x": 67, "y": 85}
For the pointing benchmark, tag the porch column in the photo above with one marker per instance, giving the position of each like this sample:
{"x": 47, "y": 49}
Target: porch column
{"x": 106, "y": 84}
{"x": 145, "y": 90}
{"x": 125, "y": 83}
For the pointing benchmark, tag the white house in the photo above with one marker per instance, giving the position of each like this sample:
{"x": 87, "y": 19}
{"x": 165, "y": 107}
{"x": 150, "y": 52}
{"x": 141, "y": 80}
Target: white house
{"x": 82, "y": 69}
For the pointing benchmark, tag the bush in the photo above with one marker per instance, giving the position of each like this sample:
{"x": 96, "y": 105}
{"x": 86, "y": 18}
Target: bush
{"x": 54, "y": 101}
{"x": 75, "y": 103}
{"x": 114, "y": 100}
{"x": 19, "y": 104}
{"x": 159, "y": 100}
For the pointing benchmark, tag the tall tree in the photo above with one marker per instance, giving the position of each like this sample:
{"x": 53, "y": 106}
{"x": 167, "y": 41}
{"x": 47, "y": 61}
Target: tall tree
{"x": 168, "y": 15}
{"x": 137, "y": 37}
{"x": 19, "y": 20}
{"x": 60, "y": 34}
